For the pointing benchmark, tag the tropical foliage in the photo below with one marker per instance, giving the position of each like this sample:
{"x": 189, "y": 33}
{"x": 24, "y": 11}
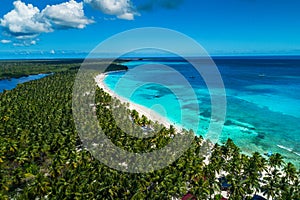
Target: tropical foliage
{"x": 42, "y": 156}
{"x": 15, "y": 69}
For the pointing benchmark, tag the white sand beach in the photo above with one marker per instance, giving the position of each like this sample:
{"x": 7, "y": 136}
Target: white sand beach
{"x": 155, "y": 117}
{"x": 142, "y": 110}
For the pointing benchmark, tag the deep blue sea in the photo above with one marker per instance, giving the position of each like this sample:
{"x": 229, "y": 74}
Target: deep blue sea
{"x": 9, "y": 84}
{"x": 263, "y": 99}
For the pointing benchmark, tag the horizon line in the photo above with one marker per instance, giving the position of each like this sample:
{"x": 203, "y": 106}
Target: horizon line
{"x": 154, "y": 56}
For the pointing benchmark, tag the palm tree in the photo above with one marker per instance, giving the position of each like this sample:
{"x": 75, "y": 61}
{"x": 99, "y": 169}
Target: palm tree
{"x": 252, "y": 171}
{"x": 276, "y": 160}
{"x": 289, "y": 192}
{"x": 42, "y": 155}
{"x": 209, "y": 173}
{"x": 272, "y": 186}
{"x": 290, "y": 172}
{"x": 237, "y": 190}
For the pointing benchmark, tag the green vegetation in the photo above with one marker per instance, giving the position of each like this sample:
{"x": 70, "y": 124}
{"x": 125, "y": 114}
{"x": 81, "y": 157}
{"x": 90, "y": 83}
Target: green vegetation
{"x": 41, "y": 155}
{"x": 16, "y": 69}
{"x": 115, "y": 67}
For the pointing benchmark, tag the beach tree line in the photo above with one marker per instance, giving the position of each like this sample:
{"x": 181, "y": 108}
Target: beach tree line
{"x": 42, "y": 156}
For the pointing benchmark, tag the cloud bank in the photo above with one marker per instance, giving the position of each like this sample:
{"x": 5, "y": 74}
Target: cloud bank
{"x": 123, "y": 9}
{"x": 24, "y": 20}
{"x": 66, "y": 15}
{"x": 27, "y": 21}
{"x": 5, "y": 41}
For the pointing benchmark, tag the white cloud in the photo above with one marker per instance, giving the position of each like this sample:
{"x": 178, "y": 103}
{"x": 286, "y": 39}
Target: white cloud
{"x": 127, "y": 16}
{"x": 26, "y": 37}
{"x": 5, "y": 41}
{"x": 52, "y": 51}
{"x": 24, "y": 43}
{"x": 26, "y": 22}
{"x": 66, "y": 15}
{"x": 33, "y": 42}
{"x": 123, "y": 9}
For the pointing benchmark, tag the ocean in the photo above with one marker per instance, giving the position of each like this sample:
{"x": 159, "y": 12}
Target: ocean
{"x": 263, "y": 99}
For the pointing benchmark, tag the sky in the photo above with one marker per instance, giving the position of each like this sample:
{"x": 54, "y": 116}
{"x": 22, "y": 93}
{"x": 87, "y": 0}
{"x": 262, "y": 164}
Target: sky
{"x": 69, "y": 28}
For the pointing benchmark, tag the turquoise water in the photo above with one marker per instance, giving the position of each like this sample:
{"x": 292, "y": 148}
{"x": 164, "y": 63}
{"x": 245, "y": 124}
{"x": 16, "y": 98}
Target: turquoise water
{"x": 9, "y": 84}
{"x": 263, "y": 100}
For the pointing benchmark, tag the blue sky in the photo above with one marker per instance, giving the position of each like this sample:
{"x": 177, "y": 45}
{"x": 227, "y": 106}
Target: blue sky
{"x": 62, "y": 28}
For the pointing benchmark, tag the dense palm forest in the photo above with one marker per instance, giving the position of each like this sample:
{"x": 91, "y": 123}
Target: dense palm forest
{"x": 16, "y": 69}
{"x": 42, "y": 156}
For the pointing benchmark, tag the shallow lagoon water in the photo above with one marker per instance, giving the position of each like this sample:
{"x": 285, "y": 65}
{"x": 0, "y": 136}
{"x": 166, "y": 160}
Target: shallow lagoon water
{"x": 263, "y": 101}
{"x": 9, "y": 84}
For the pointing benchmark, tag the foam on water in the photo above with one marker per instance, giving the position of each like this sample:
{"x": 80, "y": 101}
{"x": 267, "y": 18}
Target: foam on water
{"x": 286, "y": 148}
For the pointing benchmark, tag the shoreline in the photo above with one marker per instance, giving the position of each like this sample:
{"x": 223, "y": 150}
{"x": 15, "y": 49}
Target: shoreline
{"x": 156, "y": 117}
{"x": 142, "y": 110}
